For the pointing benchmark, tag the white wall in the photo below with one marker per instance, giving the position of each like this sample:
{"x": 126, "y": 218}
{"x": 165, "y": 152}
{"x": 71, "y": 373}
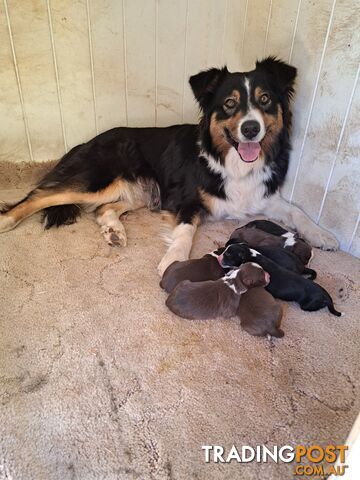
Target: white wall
{"x": 72, "y": 68}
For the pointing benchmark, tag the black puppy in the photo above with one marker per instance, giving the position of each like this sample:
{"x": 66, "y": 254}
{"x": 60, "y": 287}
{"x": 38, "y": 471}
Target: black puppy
{"x": 267, "y": 226}
{"x": 287, "y": 259}
{"x": 284, "y": 284}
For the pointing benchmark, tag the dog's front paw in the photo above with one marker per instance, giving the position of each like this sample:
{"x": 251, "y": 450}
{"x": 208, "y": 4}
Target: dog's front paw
{"x": 323, "y": 239}
{"x": 115, "y": 237}
{"x": 6, "y": 223}
{"x": 171, "y": 256}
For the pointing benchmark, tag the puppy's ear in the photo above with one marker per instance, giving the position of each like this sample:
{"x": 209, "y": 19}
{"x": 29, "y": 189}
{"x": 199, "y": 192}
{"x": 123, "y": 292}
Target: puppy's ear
{"x": 205, "y": 84}
{"x": 284, "y": 74}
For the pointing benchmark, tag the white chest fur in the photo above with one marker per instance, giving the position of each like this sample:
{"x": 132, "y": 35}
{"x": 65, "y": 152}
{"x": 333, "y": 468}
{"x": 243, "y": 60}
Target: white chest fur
{"x": 243, "y": 184}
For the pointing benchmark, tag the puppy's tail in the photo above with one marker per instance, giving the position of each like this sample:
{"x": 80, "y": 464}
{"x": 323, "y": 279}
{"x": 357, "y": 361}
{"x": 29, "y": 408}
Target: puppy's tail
{"x": 330, "y": 305}
{"x": 310, "y": 273}
{"x": 332, "y": 309}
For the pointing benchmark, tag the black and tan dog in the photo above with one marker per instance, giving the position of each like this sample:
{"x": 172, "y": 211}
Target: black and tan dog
{"x": 231, "y": 164}
{"x": 219, "y": 298}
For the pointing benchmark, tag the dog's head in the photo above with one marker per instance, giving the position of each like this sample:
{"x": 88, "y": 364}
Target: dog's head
{"x": 235, "y": 254}
{"x": 252, "y": 275}
{"x": 245, "y": 111}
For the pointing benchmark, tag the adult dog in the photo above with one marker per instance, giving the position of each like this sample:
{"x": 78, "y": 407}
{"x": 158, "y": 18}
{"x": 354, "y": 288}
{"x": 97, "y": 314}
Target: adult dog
{"x": 229, "y": 166}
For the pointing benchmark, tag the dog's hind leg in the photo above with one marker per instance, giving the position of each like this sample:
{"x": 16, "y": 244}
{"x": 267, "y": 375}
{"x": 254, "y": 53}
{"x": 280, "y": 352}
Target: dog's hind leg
{"x": 134, "y": 195}
{"x": 279, "y": 209}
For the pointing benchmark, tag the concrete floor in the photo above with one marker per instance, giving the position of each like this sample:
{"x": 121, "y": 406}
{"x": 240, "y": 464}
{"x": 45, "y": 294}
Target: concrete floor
{"x": 98, "y": 380}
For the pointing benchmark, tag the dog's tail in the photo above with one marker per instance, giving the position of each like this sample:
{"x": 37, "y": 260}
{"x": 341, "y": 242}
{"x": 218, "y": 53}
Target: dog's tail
{"x": 60, "y": 215}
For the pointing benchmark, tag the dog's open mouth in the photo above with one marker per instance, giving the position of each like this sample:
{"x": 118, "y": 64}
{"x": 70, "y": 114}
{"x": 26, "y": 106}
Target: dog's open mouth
{"x": 248, "y": 151}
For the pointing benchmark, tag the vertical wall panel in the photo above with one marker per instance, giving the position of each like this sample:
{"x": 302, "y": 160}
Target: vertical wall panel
{"x": 106, "y": 23}
{"x": 36, "y": 71}
{"x": 256, "y": 31}
{"x": 13, "y": 143}
{"x": 71, "y": 39}
{"x": 205, "y": 37}
{"x": 234, "y": 34}
{"x": 355, "y": 244}
{"x": 342, "y": 201}
{"x": 140, "y": 58}
{"x": 171, "y": 29}
{"x": 311, "y": 31}
{"x": 281, "y": 28}
{"x": 329, "y": 108}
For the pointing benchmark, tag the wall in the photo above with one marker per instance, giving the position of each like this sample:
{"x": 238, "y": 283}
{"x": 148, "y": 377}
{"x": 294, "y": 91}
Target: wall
{"x": 70, "y": 69}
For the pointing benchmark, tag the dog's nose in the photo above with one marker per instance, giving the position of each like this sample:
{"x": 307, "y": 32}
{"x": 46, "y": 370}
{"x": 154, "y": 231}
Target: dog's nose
{"x": 250, "y": 129}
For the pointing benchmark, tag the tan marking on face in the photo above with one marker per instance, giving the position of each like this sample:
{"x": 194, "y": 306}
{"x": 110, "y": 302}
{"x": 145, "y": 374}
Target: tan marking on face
{"x": 273, "y": 125}
{"x": 235, "y": 94}
{"x": 258, "y": 92}
{"x": 217, "y": 131}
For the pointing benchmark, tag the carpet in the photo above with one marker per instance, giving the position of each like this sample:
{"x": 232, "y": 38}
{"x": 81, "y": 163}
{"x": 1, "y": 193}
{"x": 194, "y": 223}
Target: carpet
{"x": 98, "y": 380}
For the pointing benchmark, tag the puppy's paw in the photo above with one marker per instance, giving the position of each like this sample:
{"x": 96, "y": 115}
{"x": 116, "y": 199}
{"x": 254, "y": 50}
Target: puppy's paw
{"x": 114, "y": 236}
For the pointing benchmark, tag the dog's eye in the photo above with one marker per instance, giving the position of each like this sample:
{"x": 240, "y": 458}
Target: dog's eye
{"x": 264, "y": 99}
{"x": 230, "y": 103}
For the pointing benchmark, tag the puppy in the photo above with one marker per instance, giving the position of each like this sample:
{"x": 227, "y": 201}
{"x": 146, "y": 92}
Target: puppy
{"x": 285, "y": 258}
{"x": 284, "y": 284}
{"x": 263, "y": 233}
{"x": 220, "y": 298}
{"x": 197, "y": 270}
{"x": 260, "y": 314}
{"x": 268, "y": 226}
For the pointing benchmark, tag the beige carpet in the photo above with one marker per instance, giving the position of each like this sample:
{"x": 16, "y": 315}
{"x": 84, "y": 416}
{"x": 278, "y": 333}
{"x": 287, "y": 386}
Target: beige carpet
{"x": 100, "y": 381}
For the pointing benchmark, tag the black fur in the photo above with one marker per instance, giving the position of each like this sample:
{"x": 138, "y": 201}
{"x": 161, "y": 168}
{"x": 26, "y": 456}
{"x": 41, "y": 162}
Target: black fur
{"x": 267, "y": 226}
{"x": 60, "y": 215}
{"x": 286, "y": 259}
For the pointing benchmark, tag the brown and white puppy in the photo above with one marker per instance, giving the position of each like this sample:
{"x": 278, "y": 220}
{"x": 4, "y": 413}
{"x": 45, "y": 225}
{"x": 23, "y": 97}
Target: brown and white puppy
{"x": 260, "y": 314}
{"x": 257, "y": 237}
{"x": 220, "y": 298}
{"x": 196, "y": 270}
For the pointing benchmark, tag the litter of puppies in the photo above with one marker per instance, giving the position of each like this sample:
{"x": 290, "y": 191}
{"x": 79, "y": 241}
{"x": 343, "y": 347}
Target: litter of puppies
{"x": 260, "y": 262}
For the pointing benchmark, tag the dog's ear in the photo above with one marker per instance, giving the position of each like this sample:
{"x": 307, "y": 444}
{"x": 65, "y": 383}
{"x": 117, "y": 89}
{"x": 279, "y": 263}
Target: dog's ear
{"x": 284, "y": 74}
{"x": 205, "y": 84}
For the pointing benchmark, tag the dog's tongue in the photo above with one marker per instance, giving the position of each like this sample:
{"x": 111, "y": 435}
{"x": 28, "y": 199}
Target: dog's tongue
{"x": 249, "y": 151}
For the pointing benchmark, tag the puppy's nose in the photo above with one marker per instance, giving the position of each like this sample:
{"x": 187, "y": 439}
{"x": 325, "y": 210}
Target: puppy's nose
{"x": 250, "y": 129}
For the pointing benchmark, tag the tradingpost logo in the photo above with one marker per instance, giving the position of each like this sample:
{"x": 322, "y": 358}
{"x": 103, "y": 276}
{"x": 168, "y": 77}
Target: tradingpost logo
{"x": 308, "y": 460}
